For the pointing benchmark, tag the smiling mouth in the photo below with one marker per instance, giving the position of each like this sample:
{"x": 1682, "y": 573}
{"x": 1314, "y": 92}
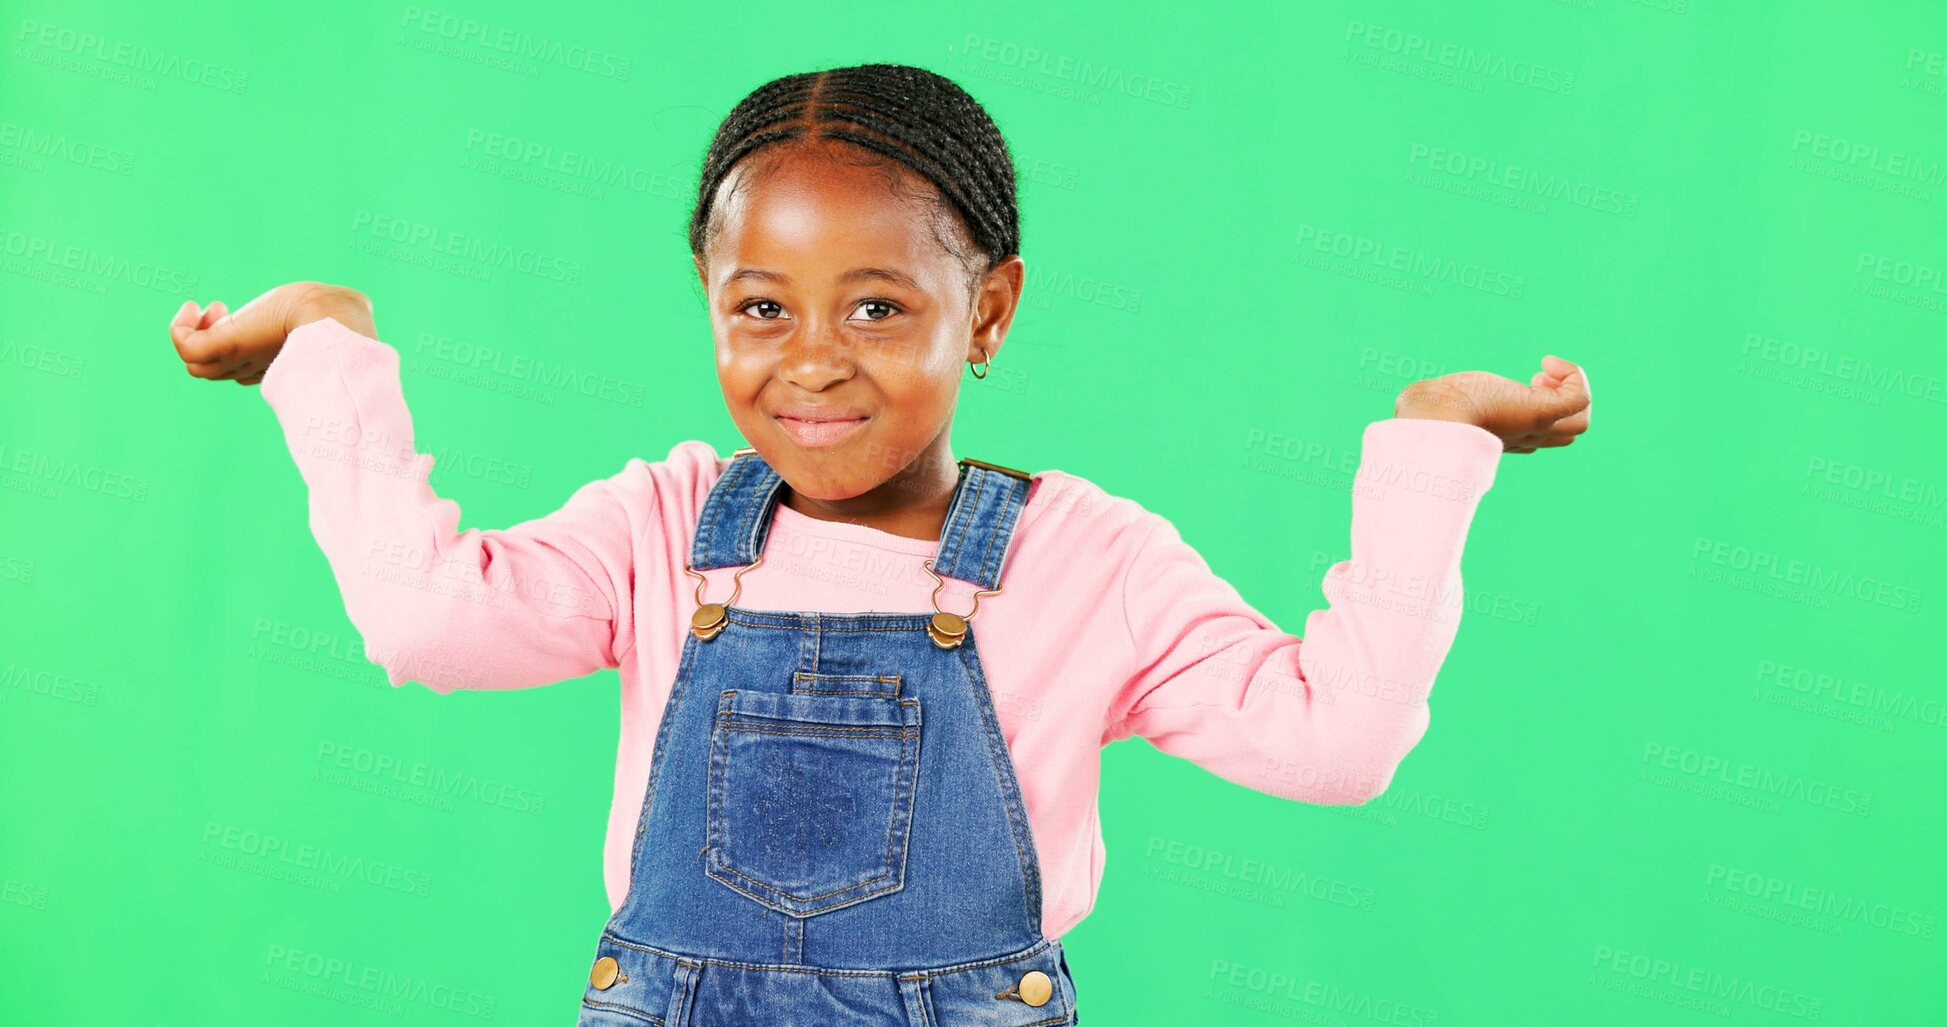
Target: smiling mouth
{"x": 820, "y": 432}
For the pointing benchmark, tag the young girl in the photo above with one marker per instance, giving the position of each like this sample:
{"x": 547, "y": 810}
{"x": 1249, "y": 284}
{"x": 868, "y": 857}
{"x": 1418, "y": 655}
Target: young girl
{"x": 836, "y": 800}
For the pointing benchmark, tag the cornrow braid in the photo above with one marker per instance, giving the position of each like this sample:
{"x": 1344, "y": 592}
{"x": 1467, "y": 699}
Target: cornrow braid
{"x": 896, "y": 113}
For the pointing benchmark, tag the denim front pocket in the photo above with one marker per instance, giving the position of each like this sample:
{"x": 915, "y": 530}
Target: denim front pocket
{"x": 811, "y": 797}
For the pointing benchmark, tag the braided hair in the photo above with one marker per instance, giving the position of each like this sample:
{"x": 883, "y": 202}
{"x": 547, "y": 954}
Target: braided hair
{"x": 898, "y": 115}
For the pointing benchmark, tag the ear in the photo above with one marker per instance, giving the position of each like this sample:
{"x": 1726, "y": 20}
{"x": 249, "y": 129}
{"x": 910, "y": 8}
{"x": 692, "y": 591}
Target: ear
{"x": 995, "y": 302}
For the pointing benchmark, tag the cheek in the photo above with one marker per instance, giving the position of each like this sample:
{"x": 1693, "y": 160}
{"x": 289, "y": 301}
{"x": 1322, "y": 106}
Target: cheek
{"x": 922, "y": 388}
{"x": 741, "y": 374}
{"x": 744, "y": 359}
{"x": 926, "y": 364}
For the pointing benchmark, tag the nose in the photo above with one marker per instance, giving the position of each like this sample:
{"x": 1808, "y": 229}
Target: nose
{"x": 816, "y": 358}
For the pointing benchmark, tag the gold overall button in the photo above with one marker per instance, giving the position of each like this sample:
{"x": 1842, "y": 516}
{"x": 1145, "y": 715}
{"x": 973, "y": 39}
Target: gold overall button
{"x": 605, "y": 972}
{"x": 1036, "y": 988}
{"x": 708, "y": 621}
{"x": 947, "y": 629}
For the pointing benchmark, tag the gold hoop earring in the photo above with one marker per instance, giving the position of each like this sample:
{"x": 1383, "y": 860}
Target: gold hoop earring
{"x": 980, "y": 371}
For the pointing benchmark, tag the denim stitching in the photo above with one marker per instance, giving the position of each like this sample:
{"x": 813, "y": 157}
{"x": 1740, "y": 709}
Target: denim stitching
{"x": 979, "y": 475}
{"x": 759, "y": 512}
{"x": 713, "y": 512}
{"x": 1008, "y": 776}
{"x": 848, "y": 900}
{"x": 1036, "y": 949}
{"x": 748, "y": 515}
{"x": 625, "y": 1010}
{"x": 909, "y": 739}
{"x": 1001, "y": 533}
{"x": 762, "y": 727}
{"x": 883, "y": 679}
{"x": 986, "y": 513}
{"x": 906, "y": 734}
{"x": 683, "y": 669}
{"x": 950, "y": 530}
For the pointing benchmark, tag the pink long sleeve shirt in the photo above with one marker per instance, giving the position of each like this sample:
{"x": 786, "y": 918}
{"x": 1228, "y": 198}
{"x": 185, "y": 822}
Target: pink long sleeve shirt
{"x": 1109, "y": 625}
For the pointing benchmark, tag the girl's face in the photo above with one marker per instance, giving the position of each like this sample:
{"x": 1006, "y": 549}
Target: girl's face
{"x": 842, "y": 324}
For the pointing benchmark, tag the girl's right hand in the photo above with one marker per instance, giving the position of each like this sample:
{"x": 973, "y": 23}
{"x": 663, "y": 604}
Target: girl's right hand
{"x": 217, "y": 344}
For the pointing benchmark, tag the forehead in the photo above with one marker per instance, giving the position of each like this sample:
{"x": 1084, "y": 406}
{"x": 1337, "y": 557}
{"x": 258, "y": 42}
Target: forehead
{"x": 820, "y": 210}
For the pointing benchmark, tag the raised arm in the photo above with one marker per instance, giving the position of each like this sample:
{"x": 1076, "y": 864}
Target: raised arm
{"x": 543, "y": 601}
{"x": 1325, "y": 717}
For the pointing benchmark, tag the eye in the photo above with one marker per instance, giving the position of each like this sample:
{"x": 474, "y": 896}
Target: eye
{"x": 891, "y": 307}
{"x": 760, "y": 303}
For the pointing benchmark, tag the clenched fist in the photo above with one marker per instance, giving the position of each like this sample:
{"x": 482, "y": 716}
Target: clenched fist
{"x": 1551, "y": 410}
{"x": 216, "y": 343}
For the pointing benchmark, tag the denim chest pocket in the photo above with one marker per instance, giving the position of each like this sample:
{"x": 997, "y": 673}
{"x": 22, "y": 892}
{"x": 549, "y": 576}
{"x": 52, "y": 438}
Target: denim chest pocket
{"x": 811, "y": 796}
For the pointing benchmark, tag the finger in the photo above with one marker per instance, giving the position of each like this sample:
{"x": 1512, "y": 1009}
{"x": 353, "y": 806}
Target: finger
{"x": 216, "y": 312}
{"x": 1574, "y": 424}
{"x": 243, "y": 370}
{"x": 252, "y": 380}
{"x": 206, "y": 368}
{"x": 218, "y": 370}
{"x": 1566, "y": 397}
{"x": 185, "y": 320}
{"x": 1561, "y": 371}
{"x": 199, "y": 343}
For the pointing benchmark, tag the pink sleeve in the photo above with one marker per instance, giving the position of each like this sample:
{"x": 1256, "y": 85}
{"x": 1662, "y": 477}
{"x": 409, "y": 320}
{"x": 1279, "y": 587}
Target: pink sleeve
{"x": 1326, "y": 718}
{"x": 543, "y": 601}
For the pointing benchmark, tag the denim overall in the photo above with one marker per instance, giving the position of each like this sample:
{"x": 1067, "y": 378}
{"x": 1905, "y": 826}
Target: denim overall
{"x": 833, "y": 832}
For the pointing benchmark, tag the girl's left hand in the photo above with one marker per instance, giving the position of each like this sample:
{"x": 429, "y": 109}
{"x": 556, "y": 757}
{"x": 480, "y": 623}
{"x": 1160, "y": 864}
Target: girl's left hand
{"x": 1549, "y": 411}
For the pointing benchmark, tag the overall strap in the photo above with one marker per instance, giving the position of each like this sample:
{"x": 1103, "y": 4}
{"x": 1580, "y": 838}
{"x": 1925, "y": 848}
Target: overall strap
{"x": 980, "y": 521}
{"x": 980, "y": 524}
{"x": 737, "y": 514}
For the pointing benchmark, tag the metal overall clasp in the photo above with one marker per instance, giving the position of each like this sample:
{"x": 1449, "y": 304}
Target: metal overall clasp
{"x": 948, "y": 630}
{"x": 710, "y": 619}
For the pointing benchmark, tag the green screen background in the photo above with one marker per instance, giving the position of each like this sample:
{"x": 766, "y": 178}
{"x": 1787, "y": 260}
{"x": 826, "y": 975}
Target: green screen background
{"x": 1685, "y": 754}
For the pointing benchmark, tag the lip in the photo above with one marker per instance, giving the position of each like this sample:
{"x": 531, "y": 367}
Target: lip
{"x": 819, "y": 430}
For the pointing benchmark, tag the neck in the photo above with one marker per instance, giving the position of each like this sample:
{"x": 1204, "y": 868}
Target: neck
{"x": 912, "y": 503}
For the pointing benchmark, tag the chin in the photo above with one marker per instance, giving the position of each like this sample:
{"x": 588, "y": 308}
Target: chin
{"x": 815, "y": 473}
{"x": 826, "y": 497}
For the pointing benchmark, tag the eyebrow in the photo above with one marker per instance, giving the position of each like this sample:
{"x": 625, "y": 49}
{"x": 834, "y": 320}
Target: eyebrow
{"x": 898, "y": 278}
